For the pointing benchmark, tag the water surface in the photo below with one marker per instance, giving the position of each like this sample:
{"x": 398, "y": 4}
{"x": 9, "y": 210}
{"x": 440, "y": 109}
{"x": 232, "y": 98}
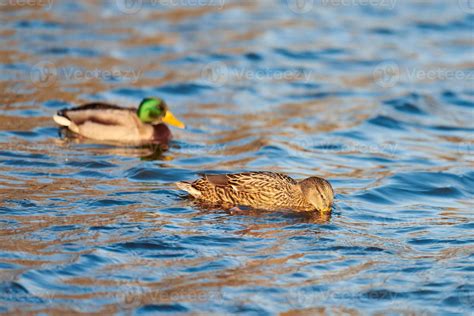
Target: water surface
{"x": 377, "y": 98}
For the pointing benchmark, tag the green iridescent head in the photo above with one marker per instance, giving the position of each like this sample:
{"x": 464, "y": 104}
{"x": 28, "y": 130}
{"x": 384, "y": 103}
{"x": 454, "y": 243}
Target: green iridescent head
{"x": 155, "y": 111}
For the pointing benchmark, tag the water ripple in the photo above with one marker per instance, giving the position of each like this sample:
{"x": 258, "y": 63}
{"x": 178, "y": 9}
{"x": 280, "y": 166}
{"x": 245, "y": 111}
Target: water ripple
{"x": 382, "y": 110}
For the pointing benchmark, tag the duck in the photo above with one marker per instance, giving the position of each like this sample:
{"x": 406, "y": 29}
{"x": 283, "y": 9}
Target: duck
{"x": 111, "y": 123}
{"x": 261, "y": 190}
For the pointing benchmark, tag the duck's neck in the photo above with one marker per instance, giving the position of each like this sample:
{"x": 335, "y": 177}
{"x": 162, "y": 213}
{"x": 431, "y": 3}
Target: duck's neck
{"x": 300, "y": 198}
{"x": 161, "y": 134}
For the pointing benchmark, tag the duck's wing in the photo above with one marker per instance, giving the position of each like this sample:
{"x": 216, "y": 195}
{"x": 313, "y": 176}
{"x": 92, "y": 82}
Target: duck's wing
{"x": 261, "y": 190}
{"x": 251, "y": 181}
{"x": 247, "y": 188}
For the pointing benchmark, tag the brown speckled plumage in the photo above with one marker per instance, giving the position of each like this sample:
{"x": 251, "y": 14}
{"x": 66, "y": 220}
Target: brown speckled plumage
{"x": 262, "y": 190}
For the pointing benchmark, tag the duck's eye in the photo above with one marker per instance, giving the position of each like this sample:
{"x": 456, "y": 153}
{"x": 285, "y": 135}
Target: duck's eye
{"x": 156, "y": 111}
{"x": 162, "y": 108}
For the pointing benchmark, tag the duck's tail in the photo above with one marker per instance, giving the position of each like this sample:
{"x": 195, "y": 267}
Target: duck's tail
{"x": 64, "y": 121}
{"x": 188, "y": 187}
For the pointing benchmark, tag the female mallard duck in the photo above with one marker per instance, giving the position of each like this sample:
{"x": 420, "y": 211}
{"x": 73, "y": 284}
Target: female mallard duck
{"x": 262, "y": 190}
{"x": 107, "y": 122}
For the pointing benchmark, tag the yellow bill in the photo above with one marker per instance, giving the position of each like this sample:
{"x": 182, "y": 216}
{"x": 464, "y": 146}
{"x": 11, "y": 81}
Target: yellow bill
{"x": 172, "y": 120}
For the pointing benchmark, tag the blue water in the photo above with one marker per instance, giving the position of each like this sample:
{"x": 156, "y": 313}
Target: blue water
{"x": 378, "y": 98}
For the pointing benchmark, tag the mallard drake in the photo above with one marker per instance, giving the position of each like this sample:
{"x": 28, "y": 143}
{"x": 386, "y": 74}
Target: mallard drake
{"x": 262, "y": 190}
{"x": 107, "y": 122}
